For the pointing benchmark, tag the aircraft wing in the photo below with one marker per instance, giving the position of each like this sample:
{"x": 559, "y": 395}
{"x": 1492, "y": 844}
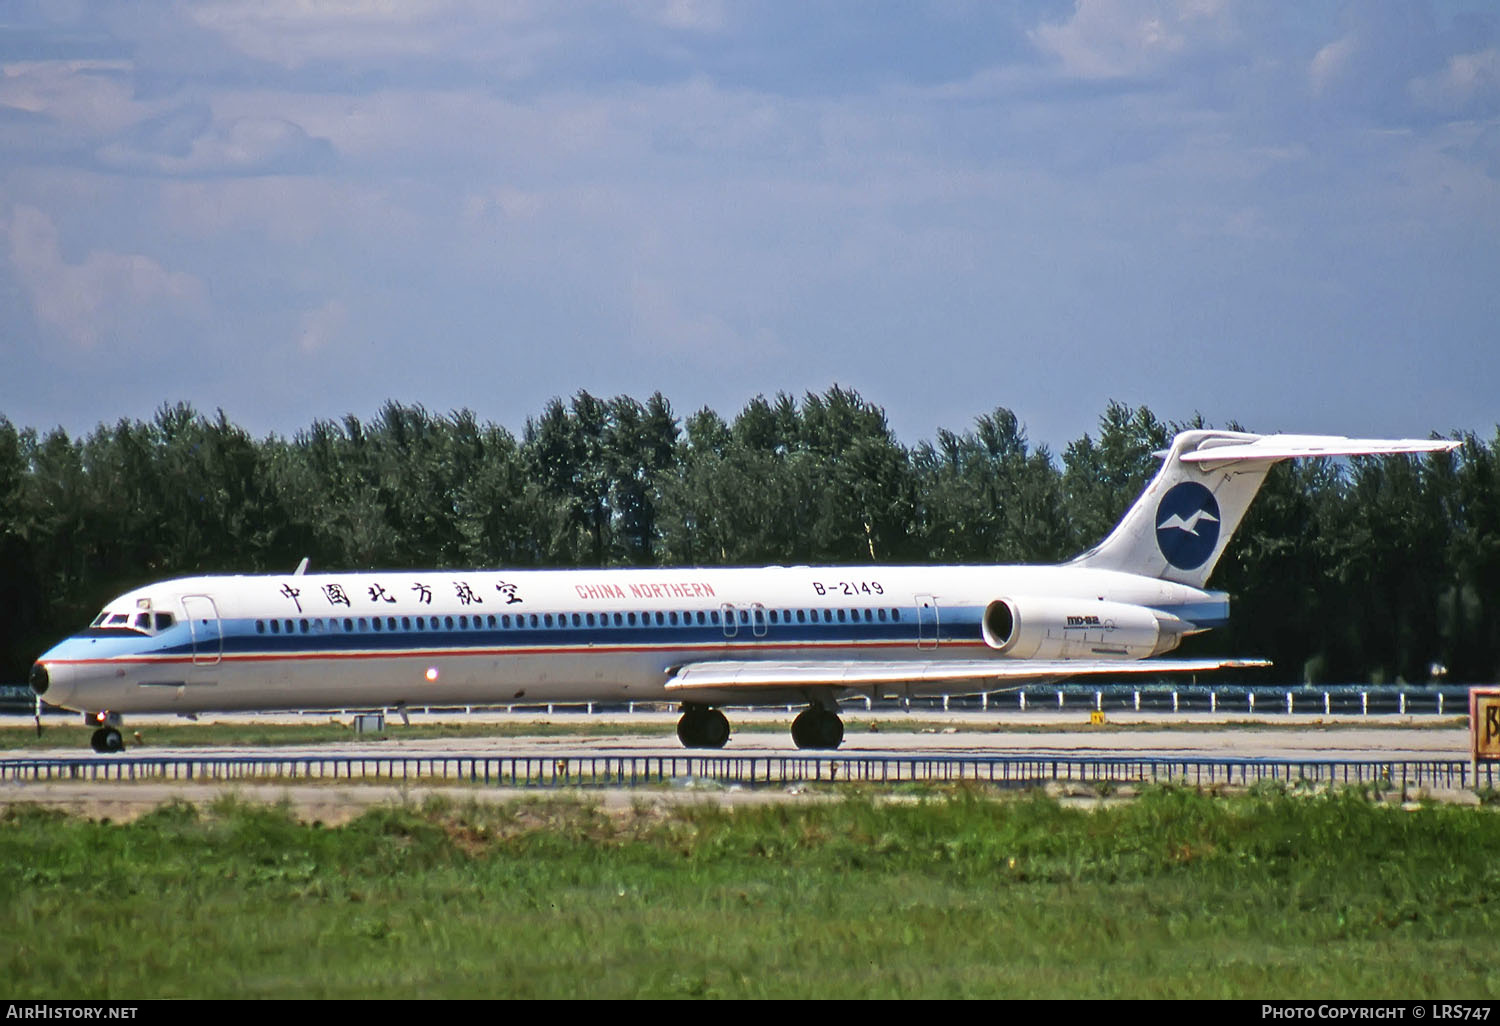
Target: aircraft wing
{"x": 750, "y": 675}
{"x": 1285, "y": 447}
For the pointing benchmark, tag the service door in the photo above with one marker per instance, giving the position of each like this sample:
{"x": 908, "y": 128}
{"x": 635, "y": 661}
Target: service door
{"x": 927, "y": 621}
{"x": 203, "y": 622}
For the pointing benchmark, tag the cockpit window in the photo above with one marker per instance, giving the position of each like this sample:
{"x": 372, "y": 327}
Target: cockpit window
{"x": 116, "y": 623}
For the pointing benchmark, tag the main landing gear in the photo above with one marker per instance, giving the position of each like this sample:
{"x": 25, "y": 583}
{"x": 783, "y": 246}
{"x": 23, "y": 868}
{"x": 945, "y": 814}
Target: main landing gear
{"x": 702, "y": 727}
{"x": 817, "y": 727}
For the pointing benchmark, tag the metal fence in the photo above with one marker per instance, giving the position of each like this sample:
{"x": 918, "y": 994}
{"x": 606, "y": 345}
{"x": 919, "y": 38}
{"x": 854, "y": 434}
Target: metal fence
{"x": 594, "y": 770}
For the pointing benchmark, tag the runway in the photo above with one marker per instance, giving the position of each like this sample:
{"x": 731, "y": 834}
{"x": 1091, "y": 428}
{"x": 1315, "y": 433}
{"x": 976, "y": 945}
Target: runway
{"x": 881, "y": 733}
{"x": 630, "y": 738}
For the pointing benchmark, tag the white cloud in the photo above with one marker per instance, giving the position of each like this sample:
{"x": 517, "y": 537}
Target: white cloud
{"x": 665, "y": 326}
{"x": 318, "y": 328}
{"x": 1121, "y": 38}
{"x": 1330, "y": 64}
{"x": 84, "y": 95}
{"x": 687, "y": 15}
{"x": 106, "y": 300}
{"x": 1470, "y": 83}
{"x": 294, "y": 33}
{"x": 244, "y": 145}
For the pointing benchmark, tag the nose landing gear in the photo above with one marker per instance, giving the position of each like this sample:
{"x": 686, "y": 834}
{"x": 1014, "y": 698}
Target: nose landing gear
{"x": 107, "y": 738}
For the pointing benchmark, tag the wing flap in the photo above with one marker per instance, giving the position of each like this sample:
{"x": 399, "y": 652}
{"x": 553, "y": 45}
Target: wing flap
{"x": 727, "y": 674}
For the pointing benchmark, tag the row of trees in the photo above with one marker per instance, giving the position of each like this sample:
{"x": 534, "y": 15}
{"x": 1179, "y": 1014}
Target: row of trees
{"x": 1371, "y": 570}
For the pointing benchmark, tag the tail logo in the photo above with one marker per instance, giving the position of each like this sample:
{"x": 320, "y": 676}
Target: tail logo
{"x": 1187, "y": 525}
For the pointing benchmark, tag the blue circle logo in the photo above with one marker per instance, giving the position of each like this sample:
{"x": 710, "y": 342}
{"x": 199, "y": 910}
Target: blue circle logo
{"x": 1187, "y": 525}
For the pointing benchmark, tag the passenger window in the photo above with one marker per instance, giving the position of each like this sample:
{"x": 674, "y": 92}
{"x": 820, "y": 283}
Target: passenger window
{"x": 631, "y": 617}
{"x": 260, "y": 626}
{"x": 275, "y": 626}
{"x": 448, "y": 622}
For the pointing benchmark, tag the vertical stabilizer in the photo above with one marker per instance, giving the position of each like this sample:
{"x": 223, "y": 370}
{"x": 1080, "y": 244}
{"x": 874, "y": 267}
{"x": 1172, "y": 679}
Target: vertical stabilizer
{"x": 1179, "y": 527}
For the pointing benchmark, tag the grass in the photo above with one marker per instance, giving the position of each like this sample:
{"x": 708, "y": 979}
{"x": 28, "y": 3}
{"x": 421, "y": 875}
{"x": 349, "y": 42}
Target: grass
{"x": 955, "y": 894}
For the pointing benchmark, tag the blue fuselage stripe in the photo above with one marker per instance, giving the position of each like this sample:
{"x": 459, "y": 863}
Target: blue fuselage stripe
{"x": 248, "y": 638}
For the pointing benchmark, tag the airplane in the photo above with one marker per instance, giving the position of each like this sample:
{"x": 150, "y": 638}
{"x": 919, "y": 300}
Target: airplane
{"x": 702, "y": 637}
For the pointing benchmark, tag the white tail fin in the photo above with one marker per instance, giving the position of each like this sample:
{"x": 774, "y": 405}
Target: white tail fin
{"x": 1180, "y": 525}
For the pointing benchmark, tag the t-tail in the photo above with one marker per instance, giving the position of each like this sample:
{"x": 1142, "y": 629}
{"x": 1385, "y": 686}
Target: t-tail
{"x": 1179, "y": 527}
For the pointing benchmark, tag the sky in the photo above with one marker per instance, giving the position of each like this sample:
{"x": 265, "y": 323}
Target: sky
{"x": 1281, "y": 215}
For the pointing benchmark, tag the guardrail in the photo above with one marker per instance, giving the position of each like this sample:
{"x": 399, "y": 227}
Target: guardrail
{"x": 594, "y": 770}
{"x": 1257, "y": 699}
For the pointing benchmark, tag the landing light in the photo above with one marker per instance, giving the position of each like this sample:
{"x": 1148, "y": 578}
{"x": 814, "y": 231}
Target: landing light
{"x": 432, "y": 674}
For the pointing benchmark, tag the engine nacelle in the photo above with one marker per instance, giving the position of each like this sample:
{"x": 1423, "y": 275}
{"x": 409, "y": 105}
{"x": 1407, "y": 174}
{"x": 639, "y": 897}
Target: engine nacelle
{"x": 1053, "y": 628}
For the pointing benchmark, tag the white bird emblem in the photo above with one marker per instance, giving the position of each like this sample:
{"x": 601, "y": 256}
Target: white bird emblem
{"x": 1190, "y": 525}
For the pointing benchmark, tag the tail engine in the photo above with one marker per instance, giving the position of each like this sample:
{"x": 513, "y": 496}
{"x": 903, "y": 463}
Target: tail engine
{"x": 1053, "y": 628}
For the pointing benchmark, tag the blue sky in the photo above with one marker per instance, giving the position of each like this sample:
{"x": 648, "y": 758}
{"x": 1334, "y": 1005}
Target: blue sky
{"x": 1284, "y": 215}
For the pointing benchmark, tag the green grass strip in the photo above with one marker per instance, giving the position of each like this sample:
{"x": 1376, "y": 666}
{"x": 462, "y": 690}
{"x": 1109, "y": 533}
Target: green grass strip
{"x": 1174, "y": 894}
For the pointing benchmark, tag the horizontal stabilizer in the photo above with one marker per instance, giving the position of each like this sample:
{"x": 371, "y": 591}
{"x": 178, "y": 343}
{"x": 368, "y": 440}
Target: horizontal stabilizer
{"x": 1178, "y": 528}
{"x": 1286, "y": 447}
{"x": 721, "y": 674}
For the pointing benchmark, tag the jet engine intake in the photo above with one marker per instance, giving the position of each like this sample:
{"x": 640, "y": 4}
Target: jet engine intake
{"x": 1055, "y": 628}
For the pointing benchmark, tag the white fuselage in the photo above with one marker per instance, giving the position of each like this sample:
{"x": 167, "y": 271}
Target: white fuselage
{"x": 488, "y": 637}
